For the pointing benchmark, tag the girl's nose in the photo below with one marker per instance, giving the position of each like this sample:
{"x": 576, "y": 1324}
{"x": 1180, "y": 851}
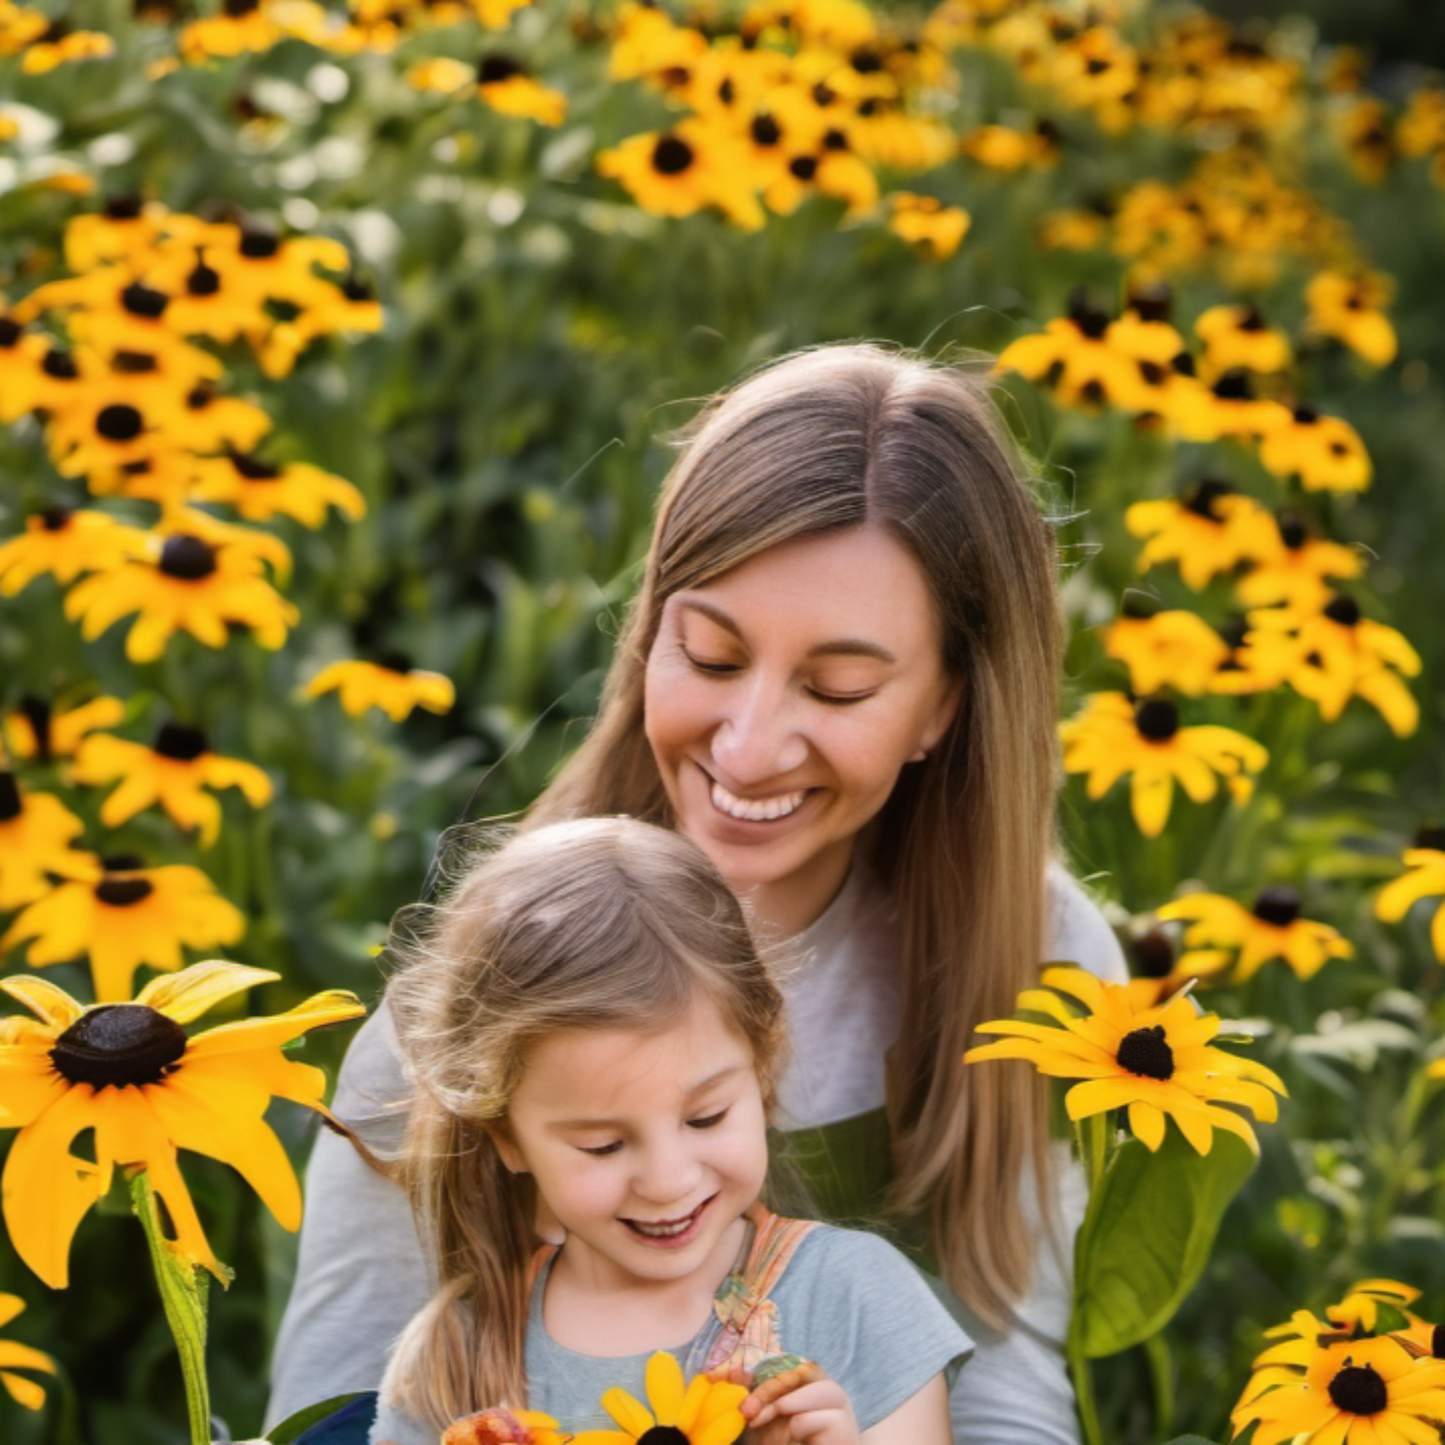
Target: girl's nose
{"x": 757, "y": 737}
{"x": 668, "y": 1174}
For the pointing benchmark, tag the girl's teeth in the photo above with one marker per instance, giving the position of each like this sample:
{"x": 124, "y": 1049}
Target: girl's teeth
{"x": 669, "y": 1230}
{"x": 756, "y": 810}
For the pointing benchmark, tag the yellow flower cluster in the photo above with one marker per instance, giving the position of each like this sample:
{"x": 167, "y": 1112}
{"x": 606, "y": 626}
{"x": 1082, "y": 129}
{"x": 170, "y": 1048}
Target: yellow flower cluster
{"x": 796, "y": 100}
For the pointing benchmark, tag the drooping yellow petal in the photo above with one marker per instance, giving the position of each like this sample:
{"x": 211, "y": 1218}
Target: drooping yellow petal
{"x": 330, "y": 1007}
{"x": 52, "y": 1004}
{"x": 665, "y": 1387}
{"x": 628, "y": 1413}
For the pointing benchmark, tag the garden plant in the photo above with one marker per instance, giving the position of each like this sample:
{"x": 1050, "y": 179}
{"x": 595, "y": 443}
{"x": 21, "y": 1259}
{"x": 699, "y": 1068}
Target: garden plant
{"x": 339, "y": 348}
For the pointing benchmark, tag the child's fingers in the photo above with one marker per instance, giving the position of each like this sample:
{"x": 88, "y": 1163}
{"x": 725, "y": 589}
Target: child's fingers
{"x": 822, "y": 1394}
{"x": 805, "y": 1373}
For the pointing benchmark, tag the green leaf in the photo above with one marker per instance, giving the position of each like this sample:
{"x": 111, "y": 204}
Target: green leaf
{"x": 1189, "y": 1440}
{"x": 1147, "y": 1235}
{"x": 302, "y": 1420}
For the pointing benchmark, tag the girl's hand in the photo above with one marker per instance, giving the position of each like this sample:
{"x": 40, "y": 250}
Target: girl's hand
{"x": 800, "y": 1406}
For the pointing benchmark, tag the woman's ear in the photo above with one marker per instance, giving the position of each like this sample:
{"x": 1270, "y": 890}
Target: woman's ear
{"x": 506, "y": 1146}
{"x": 940, "y": 720}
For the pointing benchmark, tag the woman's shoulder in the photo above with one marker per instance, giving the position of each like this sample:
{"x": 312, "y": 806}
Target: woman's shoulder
{"x": 1076, "y": 930}
{"x": 836, "y": 1262}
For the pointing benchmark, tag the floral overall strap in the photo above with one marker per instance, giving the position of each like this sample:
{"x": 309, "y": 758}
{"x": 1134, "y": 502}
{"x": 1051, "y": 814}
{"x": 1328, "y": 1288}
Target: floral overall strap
{"x": 747, "y": 1315}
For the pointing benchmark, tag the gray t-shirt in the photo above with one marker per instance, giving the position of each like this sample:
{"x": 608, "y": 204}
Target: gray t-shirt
{"x": 847, "y": 1299}
{"x": 361, "y": 1272}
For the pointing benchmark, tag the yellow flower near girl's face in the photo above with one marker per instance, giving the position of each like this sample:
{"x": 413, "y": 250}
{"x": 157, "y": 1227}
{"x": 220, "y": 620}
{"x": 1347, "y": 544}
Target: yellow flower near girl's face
{"x": 15, "y": 1356}
{"x": 703, "y": 1411}
{"x": 1112, "y": 737}
{"x": 130, "y": 1073}
{"x": 1156, "y": 1060}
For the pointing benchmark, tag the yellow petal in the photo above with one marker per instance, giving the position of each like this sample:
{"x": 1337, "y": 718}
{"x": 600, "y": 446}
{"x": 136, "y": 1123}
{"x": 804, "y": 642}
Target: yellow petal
{"x": 333, "y": 1006}
{"x": 52, "y": 1004}
{"x": 186, "y": 995}
{"x": 1147, "y": 1124}
{"x": 25, "y": 1392}
{"x": 665, "y": 1387}
{"x": 625, "y": 1409}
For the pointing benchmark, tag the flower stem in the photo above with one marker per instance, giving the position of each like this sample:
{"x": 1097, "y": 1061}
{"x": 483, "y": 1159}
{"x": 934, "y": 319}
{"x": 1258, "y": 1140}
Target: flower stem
{"x": 183, "y": 1288}
{"x": 1084, "y": 1394}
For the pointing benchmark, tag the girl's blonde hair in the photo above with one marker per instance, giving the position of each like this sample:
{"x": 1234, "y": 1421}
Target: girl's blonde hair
{"x": 840, "y": 437}
{"x": 600, "y": 923}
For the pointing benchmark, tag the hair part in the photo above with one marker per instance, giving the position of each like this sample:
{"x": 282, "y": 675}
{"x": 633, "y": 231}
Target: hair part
{"x": 858, "y": 435}
{"x": 598, "y": 923}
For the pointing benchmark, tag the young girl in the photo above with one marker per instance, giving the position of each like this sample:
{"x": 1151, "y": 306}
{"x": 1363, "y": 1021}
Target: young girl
{"x": 592, "y": 1042}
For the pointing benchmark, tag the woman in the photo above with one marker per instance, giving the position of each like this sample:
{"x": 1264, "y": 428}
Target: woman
{"x": 840, "y": 680}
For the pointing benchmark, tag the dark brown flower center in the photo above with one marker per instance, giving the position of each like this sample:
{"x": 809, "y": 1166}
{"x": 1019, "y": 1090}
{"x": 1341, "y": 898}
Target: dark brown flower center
{"x": 122, "y": 892}
{"x": 803, "y": 168}
{"x": 494, "y": 66}
{"x": 203, "y": 280}
{"x": 663, "y": 1435}
{"x": 1278, "y": 905}
{"x": 1092, "y": 320}
{"x": 36, "y": 712}
{"x": 119, "y": 422}
{"x": 10, "y": 332}
{"x": 60, "y": 365}
{"x": 118, "y": 1044}
{"x": 1252, "y": 321}
{"x": 144, "y": 301}
{"x": 1344, "y": 610}
{"x": 259, "y": 243}
{"x": 9, "y": 798}
{"x": 1146, "y": 1052}
{"x": 1292, "y": 530}
{"x": 1148, "y": 303}
{"x": 181, "y": 742}
{"x": 55, "y": 519}
{"x": 1430, "y": 836}
{"x": 1234, "y": 385}
{"x": 134, "y": 363}
{"x": 765, "y": 130}
{"x": 1157, "y": 720}
{"x": 1359, "y": 1390}
{"x": 1153, "y": 954}
{"x": 671, "y": 156}
{"x": 253, "y": 469}
{"x": 1138, "y": 606}
{"x": 124, "y": 208}
{"x": 187, "y": 558}
{"x": 1437, "y": 1342}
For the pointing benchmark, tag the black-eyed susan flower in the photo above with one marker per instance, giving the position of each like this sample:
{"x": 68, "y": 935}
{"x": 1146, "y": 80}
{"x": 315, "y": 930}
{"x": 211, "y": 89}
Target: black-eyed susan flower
{"x": 183, "y": 583}
{"x": 176, "y": 774}
{"x": 1164, "y": 648}
{"x": 1360, "y": 1309}
{"x": 215, "y": 422}
{"x": 1221, "y": 931}
{"x": 832, "y": 169}
{"x": 60, "y": 45}
{"x": 700, "y": 1411}
{"x": 1258, "y": 661}
{"x": 1420, "y": 131}
{"x": 1237, "y": 337}
{"x": 1155, "y": 1060}
{"x": 681, "y": 171}
{"x": 15, "y": 1356}
{"x": 130, "y": 1073}
{"x": 1345, "y": 654}
{"x": 1350, "y": 309}
{"x": 505, "y": 84}
{"x": 260, "y": 490}
{"x": 1004, "y": 148}
{"x": 36, "y": 833}
{"x": 22, "y": 353}
{"x": 66, "y": 544}
{"x": 933, "y": 229}
{"x": 1345, "y": 1391}
{"x": 1324, "y": 452}
{"x": 127, "y": 917}
{"x": 41, "y": 732}
{"x": 1299, "y": 571}
{"x": 1073, "y": 357}
{"x": 1208, "y": 529}
{"x": 125, "y": 229}
{"x": 394, "y": 689}
{"x": 1228, "y": 408}
{"x": 1113, "y": 737}
{"x": 1424, "y": 877}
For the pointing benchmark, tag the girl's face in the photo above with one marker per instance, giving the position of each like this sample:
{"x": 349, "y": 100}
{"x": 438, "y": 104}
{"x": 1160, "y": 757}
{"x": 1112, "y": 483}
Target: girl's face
{"x": 783, "y": 699}
{"x": 646, "y": 1146}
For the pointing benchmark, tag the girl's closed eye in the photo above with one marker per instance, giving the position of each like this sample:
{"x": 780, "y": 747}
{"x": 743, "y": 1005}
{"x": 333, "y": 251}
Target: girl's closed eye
{"x": 708, "y": 1121}
{"x": 601, "y": 1151}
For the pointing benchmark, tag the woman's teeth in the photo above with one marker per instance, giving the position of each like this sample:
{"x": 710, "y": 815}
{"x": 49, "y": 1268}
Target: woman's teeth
{"x": 756, "y": 810}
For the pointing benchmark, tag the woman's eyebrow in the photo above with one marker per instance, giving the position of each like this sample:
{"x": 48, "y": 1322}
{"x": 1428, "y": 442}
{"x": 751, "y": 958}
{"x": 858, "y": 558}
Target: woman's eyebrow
{"x": 834, "y": 647}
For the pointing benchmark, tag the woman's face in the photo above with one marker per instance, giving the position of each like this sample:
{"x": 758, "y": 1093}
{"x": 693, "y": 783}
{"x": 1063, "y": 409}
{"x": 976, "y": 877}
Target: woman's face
{"x": 782, "y": 700}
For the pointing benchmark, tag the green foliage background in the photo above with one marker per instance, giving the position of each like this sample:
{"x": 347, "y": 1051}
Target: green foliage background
{"x": 507, "y": 427}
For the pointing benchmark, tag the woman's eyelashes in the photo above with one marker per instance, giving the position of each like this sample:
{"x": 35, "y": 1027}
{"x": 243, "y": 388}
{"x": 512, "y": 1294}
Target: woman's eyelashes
{"x": 710, "y": 667}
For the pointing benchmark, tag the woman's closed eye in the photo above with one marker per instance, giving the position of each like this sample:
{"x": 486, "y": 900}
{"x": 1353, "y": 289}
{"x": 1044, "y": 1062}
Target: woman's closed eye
{"x": 711, "y": 666}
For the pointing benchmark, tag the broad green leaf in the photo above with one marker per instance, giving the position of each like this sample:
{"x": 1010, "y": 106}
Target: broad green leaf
{"x": 303, "y": 1420}
{"x": 1147, "y": 1235}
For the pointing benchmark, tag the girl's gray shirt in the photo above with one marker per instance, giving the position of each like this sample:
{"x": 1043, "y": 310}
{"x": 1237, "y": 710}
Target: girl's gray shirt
{"x": 361, "y": 1273}
{"x": 847, "y": 1299}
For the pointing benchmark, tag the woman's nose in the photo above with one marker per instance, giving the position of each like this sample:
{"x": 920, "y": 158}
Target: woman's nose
{"x": 757, "y": 737}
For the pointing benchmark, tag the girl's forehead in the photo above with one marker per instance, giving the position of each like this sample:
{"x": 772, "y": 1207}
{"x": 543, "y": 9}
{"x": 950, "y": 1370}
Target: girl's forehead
{"x": 597, "y": 1069}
